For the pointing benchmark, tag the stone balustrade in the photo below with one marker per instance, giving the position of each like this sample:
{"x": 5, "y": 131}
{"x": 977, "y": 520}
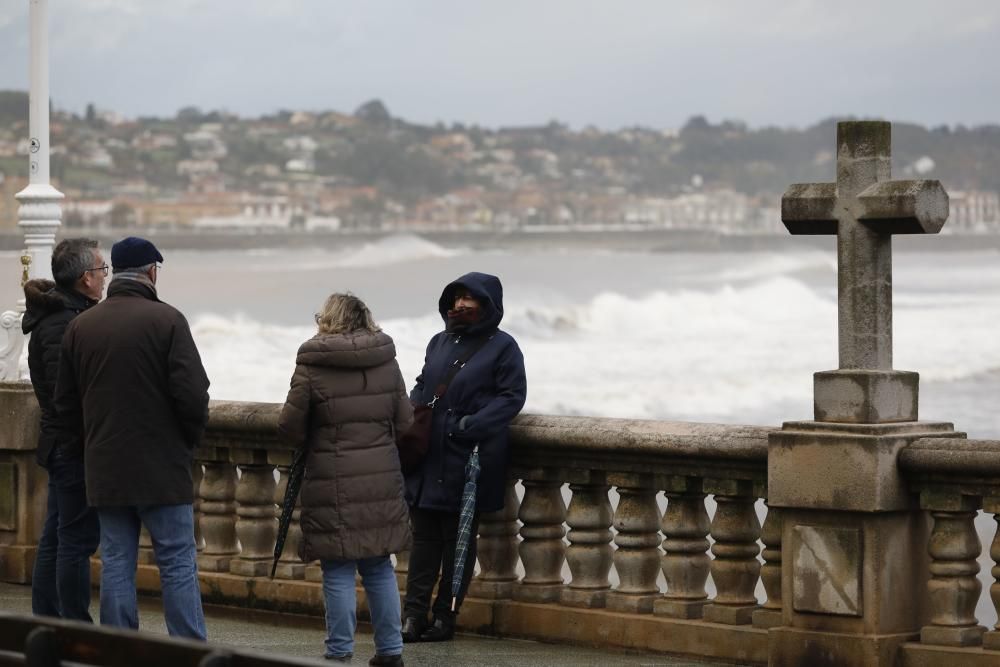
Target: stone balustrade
{"x": 954, "y": 479}
{"x": 582, "y": 530}
{"x": 637, "y": 534}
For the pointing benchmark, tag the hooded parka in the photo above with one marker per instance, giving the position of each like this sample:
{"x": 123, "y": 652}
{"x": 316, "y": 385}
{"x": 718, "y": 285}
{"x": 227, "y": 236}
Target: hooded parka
{"x": 346, "y": 402}
{"x": 48, "y": 311}
{"x": 477, "y": 408}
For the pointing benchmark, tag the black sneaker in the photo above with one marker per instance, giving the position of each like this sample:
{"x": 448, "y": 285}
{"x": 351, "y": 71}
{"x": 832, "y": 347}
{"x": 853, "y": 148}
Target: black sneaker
{"x": 339, "y": 658}
{"x": 386, "y": 661}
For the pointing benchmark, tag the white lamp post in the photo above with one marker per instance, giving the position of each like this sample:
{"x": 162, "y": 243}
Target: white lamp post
{"x": 39, "y": 210}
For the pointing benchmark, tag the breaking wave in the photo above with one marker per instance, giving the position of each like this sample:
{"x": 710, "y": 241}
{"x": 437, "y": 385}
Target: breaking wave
{"x": 383, "y": 252}
{"x": 744, "y": 354}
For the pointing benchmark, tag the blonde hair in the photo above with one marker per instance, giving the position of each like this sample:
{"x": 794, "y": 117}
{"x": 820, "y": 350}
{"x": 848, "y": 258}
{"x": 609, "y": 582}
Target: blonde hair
{"x": 345, "y": 313}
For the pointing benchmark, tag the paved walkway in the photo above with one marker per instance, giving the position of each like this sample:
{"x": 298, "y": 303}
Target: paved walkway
{"x": 302, "y": 636}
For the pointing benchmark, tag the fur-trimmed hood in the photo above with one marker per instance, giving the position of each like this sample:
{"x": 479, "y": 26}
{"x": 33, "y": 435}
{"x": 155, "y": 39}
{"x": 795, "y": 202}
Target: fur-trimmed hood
{"x": 42, "y": 297}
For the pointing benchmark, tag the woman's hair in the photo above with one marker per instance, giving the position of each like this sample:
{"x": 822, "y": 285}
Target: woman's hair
{"x": 345, "y": 313}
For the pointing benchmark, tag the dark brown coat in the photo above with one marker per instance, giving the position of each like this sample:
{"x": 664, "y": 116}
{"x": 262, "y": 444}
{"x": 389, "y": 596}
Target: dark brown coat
{"x": 346, "y": 402}
{"x": 131, "y": 379}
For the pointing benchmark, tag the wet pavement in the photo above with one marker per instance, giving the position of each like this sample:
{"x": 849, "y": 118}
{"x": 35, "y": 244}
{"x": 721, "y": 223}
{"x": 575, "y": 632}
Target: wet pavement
{"x": 302, "y": 636}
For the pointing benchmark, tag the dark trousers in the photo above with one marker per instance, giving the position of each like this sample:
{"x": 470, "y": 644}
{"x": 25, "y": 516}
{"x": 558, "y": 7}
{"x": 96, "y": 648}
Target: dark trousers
{"x": 60, "y": 582}
{"x": 433, "y": 553}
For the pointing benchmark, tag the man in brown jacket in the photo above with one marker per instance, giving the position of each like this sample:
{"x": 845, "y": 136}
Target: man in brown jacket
{"x": 130, "y": 374}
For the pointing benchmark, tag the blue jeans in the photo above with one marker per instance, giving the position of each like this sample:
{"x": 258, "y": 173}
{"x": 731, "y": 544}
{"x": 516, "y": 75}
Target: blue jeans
{"x": 379, "y": 580}
{"x": 60, "y": 583}
{"x": 171, "y": 528}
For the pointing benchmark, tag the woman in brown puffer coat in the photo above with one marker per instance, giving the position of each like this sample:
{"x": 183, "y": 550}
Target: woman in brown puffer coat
{"x": 346, "y": 403}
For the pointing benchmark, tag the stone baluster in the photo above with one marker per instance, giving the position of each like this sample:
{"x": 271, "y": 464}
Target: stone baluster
{"x": 197, "y": 473}
{"x": 218, "y": 516}
{"x": 637, "y": 559}
{"x": 542, "y": 549}
{"x": 685, "y": 561}
{"x": 991, "y": 640}
{"x": 769, "y": 616}
{"x": 290, "y": 566}
{"x": 953, "y": 587}
{"x": 735, "y": 569}
{"x": 256, "y": 526}
{"x": 498, "y": 550}
{"x": 145, "y": 555}
{"x": 590, "y": 553}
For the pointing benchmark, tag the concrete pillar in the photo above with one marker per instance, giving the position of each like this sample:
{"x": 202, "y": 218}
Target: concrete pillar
{"x": 853, "y": 543}
{"x": 23, "y": 483}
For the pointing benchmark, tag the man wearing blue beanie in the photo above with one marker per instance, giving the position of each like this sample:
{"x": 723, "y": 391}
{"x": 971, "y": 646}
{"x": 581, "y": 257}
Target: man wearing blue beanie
{"x": 132, "y": 379}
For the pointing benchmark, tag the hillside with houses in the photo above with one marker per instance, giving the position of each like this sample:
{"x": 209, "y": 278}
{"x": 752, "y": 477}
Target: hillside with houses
{"x": 212, "y": 170}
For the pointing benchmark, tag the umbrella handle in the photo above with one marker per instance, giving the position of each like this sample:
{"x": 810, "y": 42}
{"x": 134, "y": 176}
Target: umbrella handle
{"x": 454, "y": 601}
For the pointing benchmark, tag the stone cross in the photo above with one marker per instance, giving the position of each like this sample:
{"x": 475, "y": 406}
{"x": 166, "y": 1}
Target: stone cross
{"x": 864, "y": 208}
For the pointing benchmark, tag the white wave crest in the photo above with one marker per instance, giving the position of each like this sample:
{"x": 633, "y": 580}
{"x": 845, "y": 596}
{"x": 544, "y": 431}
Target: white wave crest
{"x": 398, "y": 249}
{"x": 737, "y": 353}
{"x": 394, "y": 250}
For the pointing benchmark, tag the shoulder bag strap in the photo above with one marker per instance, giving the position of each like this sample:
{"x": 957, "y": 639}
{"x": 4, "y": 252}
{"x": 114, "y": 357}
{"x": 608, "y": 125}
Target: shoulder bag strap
{"x": 457, "y": 366}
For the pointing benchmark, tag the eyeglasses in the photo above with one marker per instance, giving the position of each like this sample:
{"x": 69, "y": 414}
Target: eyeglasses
{"x": 98, "y": 268}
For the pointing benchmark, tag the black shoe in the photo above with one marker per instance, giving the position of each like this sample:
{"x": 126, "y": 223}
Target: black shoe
{"x": 441, "y": 631}
{"x": 339, "y": 658}
{"x": 413, "y": 627}
{"x": 386, "y": 661}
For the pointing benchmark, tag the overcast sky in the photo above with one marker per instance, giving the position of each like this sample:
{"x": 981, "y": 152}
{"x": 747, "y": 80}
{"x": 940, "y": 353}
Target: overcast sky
{"x": 516, "y": 62}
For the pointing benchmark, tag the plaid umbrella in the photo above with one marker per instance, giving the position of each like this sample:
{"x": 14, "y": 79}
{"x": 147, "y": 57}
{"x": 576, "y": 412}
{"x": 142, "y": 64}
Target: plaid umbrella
{"x": 465, "y": 517}
{"x": 295, "y": 474}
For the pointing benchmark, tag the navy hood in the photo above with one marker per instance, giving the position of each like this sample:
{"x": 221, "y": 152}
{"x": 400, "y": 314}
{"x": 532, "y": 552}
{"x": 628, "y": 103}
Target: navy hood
{"x": 487, "y": 290}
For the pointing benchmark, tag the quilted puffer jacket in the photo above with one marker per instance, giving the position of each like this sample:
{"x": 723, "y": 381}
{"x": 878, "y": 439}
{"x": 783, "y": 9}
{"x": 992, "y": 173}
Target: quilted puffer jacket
{"x": 346, "y": 402}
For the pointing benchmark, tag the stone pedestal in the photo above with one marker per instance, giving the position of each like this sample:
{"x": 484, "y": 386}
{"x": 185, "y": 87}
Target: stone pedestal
{"x": 853, "y": 542}
{"x": 23, "y": 483}
{"x": 865, "y": 397}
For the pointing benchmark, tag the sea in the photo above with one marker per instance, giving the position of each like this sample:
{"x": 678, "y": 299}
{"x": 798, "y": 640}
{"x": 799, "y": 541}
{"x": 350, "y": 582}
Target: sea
{"x": 728, "y": 336}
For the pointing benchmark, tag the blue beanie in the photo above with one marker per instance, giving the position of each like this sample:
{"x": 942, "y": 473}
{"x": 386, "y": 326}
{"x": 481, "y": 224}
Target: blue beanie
{"x": 132, "y": 252}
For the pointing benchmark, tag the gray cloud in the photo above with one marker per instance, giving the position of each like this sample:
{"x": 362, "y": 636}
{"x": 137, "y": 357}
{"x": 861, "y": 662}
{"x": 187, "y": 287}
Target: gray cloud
{"x": 786, "y": 62}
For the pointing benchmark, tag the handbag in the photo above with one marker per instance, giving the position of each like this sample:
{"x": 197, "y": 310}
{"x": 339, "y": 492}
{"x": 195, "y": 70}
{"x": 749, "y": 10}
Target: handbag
{"x": 414, "y": 441}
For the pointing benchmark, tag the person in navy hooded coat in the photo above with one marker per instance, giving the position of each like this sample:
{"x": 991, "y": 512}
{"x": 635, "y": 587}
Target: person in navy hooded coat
{"x": 476, "y": 410}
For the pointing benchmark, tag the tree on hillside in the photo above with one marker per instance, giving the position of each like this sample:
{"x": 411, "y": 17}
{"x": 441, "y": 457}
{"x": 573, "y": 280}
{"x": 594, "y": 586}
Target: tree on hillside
{"x": 374, "y": 112}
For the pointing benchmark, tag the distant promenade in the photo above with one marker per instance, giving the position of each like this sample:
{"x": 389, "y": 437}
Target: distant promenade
{"x": 646, "y": 240}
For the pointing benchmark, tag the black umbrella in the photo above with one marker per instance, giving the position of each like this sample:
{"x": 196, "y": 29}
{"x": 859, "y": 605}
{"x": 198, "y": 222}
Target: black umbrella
{"x": 295, "y": 474}
{"x": 465, "y": 517}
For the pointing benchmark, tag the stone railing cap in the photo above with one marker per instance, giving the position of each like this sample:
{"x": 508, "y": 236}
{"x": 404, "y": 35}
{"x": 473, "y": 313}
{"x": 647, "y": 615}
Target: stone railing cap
{"x": 638, "y": 436}
{"x": 952, "y": 456}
